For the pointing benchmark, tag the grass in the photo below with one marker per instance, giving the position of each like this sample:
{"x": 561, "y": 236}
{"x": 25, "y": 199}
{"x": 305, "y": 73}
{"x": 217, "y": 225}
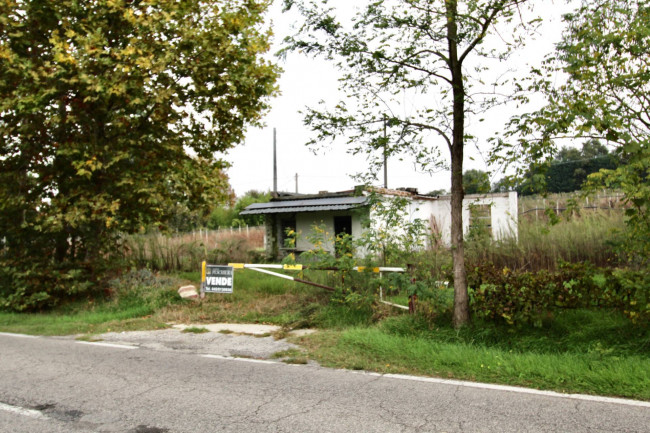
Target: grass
{"x": 143, "y": 300}
{"x": 592, "y": 237}
{"x": 136, "y": 298}
{"x": 595, "y": 352}
{"x": 604, "y": 356}
{"x": 292, "y": 356}
{"x": 186, "y": 251}
{"x": 80, "y": 322}
{"x": 195, "y": 330}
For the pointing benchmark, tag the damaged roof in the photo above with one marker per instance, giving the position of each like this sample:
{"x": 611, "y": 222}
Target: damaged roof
{"x": 306, "y": 205}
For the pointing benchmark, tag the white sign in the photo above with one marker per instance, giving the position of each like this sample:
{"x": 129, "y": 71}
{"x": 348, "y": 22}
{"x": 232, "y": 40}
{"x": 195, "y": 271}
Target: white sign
{"x": 218, "y": 279}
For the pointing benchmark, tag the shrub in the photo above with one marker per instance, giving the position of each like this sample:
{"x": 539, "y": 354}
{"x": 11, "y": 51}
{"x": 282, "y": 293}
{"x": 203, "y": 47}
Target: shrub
{"x": 519, "y": 297}
{"x": 633, "y": 294}
{"x": 32, "y": 285}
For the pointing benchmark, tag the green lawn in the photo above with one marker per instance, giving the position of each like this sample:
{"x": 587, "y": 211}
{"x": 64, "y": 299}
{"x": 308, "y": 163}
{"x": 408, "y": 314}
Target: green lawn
{"x": 610, "y": 359}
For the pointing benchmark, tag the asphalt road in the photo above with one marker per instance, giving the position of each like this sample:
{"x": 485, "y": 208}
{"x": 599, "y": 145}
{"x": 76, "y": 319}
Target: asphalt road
{"x": 60, "y": 385}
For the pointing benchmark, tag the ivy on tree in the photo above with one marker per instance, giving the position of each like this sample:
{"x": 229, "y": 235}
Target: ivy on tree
{"x": 416, "y": 69}
{"x": 102, "y": 104}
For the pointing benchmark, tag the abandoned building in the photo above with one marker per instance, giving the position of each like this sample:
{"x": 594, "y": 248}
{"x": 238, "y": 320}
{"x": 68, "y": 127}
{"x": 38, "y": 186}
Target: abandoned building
{"x": 349, "y": 211}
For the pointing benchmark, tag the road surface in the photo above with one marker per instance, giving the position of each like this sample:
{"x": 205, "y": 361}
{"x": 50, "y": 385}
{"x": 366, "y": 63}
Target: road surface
{"x": 62, "y": 385}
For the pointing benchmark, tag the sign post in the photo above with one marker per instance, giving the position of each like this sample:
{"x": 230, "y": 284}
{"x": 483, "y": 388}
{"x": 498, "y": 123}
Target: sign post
{"x": 216, "y": 279}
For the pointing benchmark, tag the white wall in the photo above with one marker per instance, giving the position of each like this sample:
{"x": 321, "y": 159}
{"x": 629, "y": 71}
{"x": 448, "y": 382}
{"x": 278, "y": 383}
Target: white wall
{"x": 435, "y": 212}
{"x": 504, "y": 213}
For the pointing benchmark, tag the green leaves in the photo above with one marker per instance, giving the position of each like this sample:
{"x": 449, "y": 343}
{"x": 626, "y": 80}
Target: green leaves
{"x": 102, "y": 105}
{"x": 604, "y": 54}
{"x": 521, "y": 297}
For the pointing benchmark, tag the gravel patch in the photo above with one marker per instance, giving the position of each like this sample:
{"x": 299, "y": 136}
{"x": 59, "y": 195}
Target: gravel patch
{"x": 237, "y": 328}
{"x": 209, "y": 343}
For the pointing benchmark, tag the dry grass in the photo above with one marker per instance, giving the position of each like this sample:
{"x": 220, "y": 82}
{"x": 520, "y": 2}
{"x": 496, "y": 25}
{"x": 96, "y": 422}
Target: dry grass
{"x": 186, "y": 251}
{"x": 590, "y": 236}
{"x": 257, "y": 298}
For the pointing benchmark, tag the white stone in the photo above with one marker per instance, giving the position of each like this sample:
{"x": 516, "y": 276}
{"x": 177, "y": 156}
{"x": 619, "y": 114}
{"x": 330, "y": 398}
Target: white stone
{"x": 188, "y": 292}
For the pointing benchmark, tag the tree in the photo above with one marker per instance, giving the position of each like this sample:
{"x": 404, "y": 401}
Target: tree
{"x": 103, "y": 101}
{"x": 476, "y": 182}
{"x": 504, "y": 184}
{"x": 246, "y": 200}
{"x": 228, "y": 216}
{"x": 604, "y": 54}
{"x": 569, "y": 169}
{"x": 437, "y": 192}
{"x": 417, "y": 50}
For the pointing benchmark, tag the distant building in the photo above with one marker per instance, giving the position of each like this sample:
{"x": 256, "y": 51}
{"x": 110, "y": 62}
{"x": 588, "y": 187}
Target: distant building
{"x": 346, "y": 212}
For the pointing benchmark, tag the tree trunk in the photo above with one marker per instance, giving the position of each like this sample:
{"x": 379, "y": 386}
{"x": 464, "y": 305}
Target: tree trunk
{"x": 461, "y": 297}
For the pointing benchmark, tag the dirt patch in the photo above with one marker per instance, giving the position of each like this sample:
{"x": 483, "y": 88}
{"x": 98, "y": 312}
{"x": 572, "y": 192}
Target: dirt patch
{"x": 244, "y": 341}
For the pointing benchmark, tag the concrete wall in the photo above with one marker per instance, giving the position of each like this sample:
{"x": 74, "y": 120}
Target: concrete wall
{"x": 306, "y": 221}
{"x": 503, "y": 213}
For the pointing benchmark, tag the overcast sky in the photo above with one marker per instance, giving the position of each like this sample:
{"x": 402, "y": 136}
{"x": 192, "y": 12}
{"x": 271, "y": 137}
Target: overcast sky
{"x": 306, "y": 81}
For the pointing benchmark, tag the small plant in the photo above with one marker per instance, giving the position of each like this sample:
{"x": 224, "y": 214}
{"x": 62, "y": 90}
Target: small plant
{"x": 291, "y": 356}
{"x": 195, "y": 330}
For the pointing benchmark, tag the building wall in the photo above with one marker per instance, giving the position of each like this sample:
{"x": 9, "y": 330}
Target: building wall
{"x": 436, "y": 213}
{"x": 503, "y": 213}
{"x": 306, "y": 221}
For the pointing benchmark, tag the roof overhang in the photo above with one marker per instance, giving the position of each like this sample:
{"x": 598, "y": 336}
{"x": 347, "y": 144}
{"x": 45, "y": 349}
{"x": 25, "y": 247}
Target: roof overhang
{"x": 309, "y": 205}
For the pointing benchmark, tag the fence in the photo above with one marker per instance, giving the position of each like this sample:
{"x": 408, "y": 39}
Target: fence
{"x": 213, "y": 237}
{"x": 538, "y": 205}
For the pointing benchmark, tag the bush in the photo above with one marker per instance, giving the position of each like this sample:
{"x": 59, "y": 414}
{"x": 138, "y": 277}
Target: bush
{"x": 634, "y": 295}
{"x": 144, "y": 290}
{"x": 31, "y": 285}
{"x": 521, "y": 297}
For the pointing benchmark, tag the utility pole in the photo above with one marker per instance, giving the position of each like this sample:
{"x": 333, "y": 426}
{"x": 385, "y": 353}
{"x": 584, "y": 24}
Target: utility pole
{"x": 296, "y": 183}
{"x": 385, "y": 156}
{"x": 275, "y": 164}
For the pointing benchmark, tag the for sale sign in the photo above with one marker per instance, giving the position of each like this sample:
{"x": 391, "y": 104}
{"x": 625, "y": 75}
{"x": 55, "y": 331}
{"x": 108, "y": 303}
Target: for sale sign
{"x": 218, "y": 279}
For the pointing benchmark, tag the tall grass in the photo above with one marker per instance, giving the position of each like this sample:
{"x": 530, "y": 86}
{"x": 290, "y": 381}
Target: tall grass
{"x": 185, "y": 252}
{"x": 591, "y": 236}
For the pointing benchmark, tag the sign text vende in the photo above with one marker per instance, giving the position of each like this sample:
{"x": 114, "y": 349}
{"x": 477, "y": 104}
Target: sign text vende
{"x": 218, "y": 279}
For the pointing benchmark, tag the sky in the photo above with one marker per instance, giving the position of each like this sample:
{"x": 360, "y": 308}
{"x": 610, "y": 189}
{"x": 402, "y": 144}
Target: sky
{"x": 305, "y": 81}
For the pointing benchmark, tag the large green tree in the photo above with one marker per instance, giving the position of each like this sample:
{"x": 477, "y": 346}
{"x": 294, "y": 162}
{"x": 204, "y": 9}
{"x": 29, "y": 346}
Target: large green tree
{"x": 476, "y": 181}
{"x": 604, "y": 55}
{"x": 111, "y": 112}
{"x": 414, "y": 68}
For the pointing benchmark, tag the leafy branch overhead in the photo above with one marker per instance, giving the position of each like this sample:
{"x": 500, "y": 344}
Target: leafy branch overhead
{"x": 104, "y": 101}
{"x": 397, "y": 71}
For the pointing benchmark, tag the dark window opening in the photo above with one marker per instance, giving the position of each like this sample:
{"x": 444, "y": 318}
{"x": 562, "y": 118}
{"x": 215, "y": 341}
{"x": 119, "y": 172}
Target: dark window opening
{"x": 343, "y": 232}
{"x": 288, "y": 233}
{"x": 343, "y": 225}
